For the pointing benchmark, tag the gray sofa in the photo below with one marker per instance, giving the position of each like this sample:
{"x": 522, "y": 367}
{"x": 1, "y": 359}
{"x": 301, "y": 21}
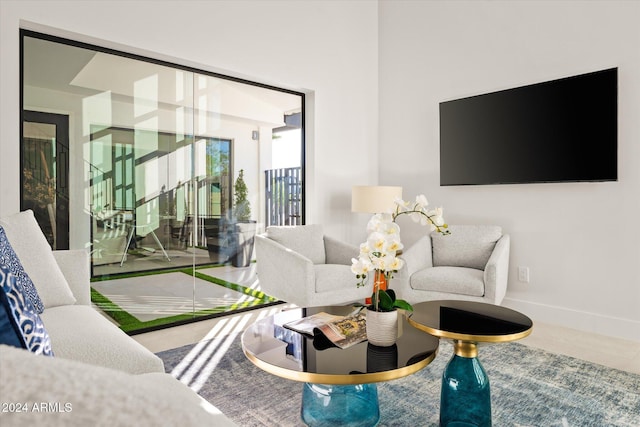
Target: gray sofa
{"x": 93, "y": 358}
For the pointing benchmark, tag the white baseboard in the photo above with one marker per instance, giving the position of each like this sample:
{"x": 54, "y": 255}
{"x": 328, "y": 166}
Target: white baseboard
{"x": 575, "y": 319}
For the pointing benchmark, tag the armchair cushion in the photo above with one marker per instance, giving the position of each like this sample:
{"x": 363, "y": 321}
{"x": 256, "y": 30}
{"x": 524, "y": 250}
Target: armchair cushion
{"x": 307, "y": 240}
{"x": 80, "y": 333}
{"x": 469, "y": 246}
{"x": 454, "y": 280}
{"x": 338, "y": 252}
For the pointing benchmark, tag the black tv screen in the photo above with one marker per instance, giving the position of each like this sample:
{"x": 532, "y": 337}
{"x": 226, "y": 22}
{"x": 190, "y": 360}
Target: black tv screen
{"x": 564, "y": 130}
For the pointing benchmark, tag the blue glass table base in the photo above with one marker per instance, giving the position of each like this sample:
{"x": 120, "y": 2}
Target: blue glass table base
{"x": 465, "y": 399}
{"x": 345, "y": 405}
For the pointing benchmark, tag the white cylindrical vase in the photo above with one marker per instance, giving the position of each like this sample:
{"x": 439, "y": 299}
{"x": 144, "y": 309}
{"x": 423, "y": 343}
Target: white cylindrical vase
{"x": 382, "y": 327}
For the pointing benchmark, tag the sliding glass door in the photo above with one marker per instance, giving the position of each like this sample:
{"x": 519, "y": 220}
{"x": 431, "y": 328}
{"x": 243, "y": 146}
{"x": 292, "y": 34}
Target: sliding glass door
{"x": 155, "y": 156}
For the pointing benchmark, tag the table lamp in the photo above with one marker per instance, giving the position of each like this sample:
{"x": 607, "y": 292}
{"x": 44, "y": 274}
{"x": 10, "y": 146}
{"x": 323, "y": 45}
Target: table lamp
{"x": 374, "y": 198}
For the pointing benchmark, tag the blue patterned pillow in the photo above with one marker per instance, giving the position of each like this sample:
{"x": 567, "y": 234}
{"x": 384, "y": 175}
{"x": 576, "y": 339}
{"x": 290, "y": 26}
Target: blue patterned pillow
{"x": 20, "y": 324}
{"x": 9, "y": 258}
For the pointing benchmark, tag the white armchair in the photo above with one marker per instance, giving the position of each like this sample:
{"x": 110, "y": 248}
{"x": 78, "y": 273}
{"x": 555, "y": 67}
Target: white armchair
{"x": 471, "y": 263}
{"x": 302, "y": 266}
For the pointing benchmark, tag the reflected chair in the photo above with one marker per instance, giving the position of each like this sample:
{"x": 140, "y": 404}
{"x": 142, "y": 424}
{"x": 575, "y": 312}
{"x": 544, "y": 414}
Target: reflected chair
{"x": 471, "y": 263}
{"x": 301, "y": 265}
{"x": 181, "y": 230}
{"x": 216, "y": 230}
{"x": 133, "y": 228}
{"x": 110, "y": 235}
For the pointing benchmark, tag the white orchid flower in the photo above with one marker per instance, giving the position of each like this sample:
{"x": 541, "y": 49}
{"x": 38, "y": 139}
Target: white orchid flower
{"x": 395, "y": 264}
{"x": 392, "y": 229}
{"x": 391, "y": 263}
{"x": 426, "y": 220}
{"x": 360, "y": 266}
{"x": 402, "y": 205}
{"x": 422, "y": 201}
{"x": 378, "y": 222}
{"x": 394, "y": 247}
{"x": 386, "y": 218}
{"x": 378, "y": 263}
{"x": 373, "y": 224}
{"x": 438, "y": 220}
{"x": 436, "y": 216}
{"x": 376, "y": 241}
{"x": 416, "y": 217}
{"x": 383, "y": 241}
{"x": 365, "y": 250}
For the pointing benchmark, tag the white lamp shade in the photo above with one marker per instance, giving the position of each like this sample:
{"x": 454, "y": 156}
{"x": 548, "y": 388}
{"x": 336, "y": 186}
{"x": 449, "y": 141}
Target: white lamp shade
{"x": 374, "y": 199}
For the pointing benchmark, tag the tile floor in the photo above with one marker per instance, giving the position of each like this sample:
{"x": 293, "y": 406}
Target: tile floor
{"x": 608, "y": 351}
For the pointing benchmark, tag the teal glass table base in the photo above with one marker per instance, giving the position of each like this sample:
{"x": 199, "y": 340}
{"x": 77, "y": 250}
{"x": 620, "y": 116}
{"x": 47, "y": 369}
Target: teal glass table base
{"x": 343, "y": 405}
{"x": 466, "y": 398}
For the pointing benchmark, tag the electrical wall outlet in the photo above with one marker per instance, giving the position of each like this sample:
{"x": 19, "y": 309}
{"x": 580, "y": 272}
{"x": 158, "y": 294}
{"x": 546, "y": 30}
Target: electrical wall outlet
{"x": 523, "y": 274}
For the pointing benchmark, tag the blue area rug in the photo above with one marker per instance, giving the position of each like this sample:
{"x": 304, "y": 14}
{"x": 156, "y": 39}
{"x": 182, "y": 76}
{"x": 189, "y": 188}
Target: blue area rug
{"x": 529, "y": 387}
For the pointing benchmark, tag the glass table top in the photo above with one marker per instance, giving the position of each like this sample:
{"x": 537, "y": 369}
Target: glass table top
{"x": 289, "y": 354}
{"x": 472, "y": 321}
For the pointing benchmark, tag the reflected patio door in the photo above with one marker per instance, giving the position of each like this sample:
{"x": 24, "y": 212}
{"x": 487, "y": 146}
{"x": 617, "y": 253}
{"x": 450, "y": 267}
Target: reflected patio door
{"x": 45, "y": 173}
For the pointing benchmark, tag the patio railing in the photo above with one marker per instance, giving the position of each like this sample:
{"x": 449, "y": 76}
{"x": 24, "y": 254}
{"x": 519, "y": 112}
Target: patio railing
{"x": 283, "y": 196}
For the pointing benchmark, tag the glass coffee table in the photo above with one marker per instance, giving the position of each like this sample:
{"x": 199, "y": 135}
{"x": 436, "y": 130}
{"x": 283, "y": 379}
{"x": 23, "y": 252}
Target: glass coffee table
{"x": 339, "y": 384}
{"x": 465, "y": 399}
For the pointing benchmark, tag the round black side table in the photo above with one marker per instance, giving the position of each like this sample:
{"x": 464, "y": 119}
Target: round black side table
{"x": 465, "y": 399}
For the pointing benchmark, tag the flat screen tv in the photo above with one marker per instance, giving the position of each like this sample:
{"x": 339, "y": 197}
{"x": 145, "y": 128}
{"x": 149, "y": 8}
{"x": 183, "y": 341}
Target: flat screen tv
{"x": 564, "y": 130}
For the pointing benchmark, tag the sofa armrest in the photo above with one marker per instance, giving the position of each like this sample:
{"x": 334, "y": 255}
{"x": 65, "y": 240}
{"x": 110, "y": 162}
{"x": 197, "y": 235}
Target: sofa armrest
{"x": 281, "y": 272}
{"x": 496, "y": 272}
{"x": 97, "y": 393}
{"x": 74, "y": 265}
{"x": 338, "y": 252}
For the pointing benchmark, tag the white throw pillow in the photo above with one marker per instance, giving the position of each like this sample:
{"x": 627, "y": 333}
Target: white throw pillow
{"x": 307, "y": 240}
{"x": 34, "y": 252}
{"x": 467, "y": 246}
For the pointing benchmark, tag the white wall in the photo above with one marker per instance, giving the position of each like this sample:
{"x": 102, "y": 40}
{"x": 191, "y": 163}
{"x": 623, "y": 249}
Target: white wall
{"x": 326, "y": 49}
{"x": 580, "y": 240}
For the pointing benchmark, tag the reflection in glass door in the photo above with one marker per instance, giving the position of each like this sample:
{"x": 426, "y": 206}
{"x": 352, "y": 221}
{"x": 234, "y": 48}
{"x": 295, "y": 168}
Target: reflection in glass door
{"x": 45, "y": 177}
{"x": 142, "y": 215}
{"x": 169, "y": 177}
{"x": 140, "y": 200}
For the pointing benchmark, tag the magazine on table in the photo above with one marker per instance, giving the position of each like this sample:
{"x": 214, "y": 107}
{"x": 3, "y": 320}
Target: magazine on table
{"x": 343, "y": 331}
